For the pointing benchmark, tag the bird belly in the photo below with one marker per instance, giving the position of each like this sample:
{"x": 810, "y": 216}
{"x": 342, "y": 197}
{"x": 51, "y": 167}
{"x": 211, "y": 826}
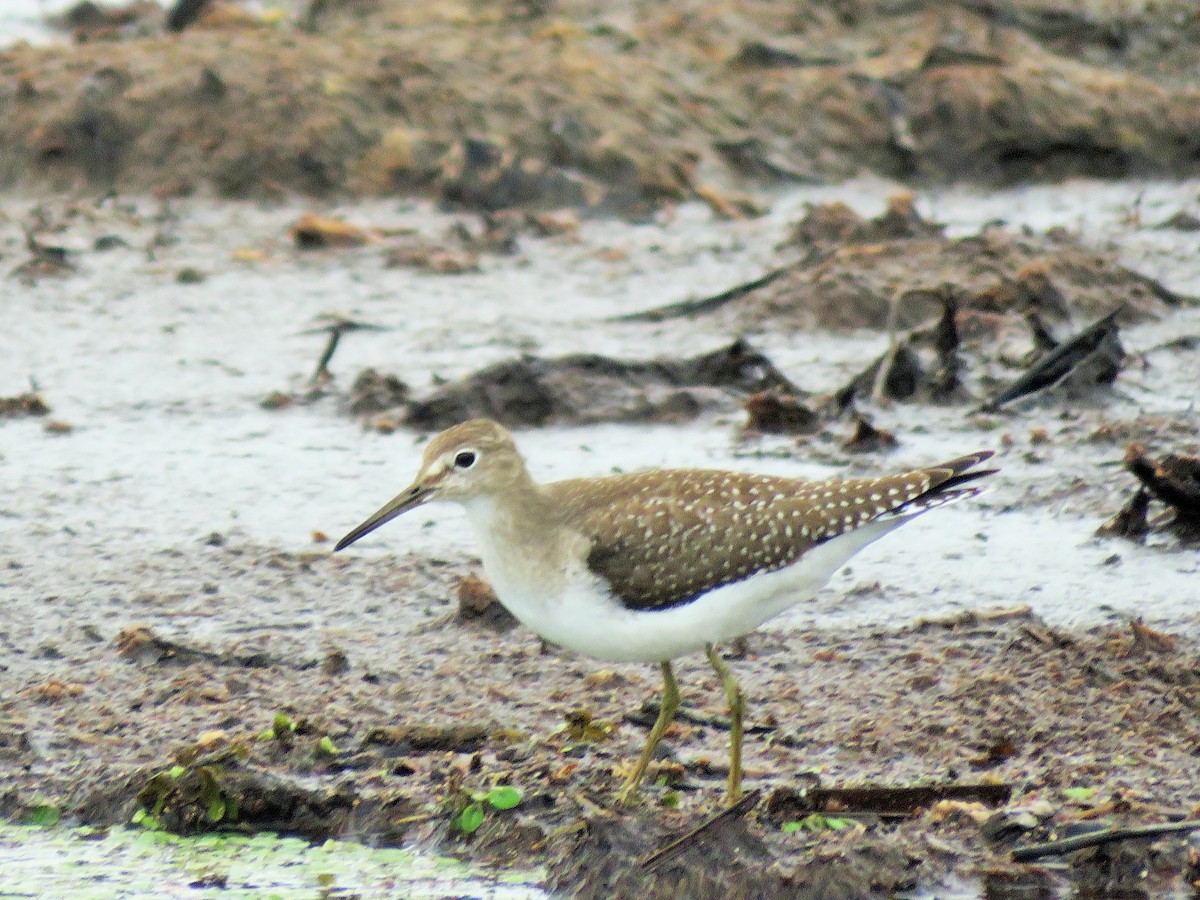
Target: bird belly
{"x": 587, "y": 618}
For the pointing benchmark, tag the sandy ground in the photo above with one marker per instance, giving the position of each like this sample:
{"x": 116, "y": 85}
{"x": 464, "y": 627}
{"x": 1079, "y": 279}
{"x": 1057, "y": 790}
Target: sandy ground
{"x": 164, "y": 587}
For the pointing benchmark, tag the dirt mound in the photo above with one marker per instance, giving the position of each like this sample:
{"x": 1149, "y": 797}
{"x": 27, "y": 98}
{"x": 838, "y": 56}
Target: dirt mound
{"x": 874, "y": 273}
{"x": 618, "y": 110}
{"x": 580, "y": 388}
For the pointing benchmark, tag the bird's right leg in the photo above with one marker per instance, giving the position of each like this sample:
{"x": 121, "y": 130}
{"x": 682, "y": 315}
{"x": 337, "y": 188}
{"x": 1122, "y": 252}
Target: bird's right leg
{"x": 666, "y": 712}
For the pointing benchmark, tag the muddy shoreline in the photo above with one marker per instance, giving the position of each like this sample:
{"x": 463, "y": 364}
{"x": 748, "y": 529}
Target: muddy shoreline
{"x": 181, "y": 647}
{"x": 602, "y": 224}
{"x": 340, "y": 737}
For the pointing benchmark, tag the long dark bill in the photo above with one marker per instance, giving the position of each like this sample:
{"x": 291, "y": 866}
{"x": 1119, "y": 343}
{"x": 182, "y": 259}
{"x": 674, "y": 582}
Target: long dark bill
{"x": 402, "y": 503}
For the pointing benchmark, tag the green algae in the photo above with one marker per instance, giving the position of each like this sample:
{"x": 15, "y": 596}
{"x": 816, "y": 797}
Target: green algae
{"x": 87, "y": 863}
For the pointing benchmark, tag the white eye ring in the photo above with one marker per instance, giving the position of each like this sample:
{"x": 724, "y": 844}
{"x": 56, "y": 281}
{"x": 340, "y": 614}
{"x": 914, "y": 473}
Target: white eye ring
{"x": 464, "y": 459}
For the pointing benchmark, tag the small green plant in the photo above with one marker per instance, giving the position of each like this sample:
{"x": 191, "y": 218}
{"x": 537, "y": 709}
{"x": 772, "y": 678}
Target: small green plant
{"x": 44, "y": 815}
{"x": 499, "y": 798}
{"x": 186, "y": 784}
{"x": 218, "y": 804}
{"x": 325, "y": 747}
{"x": 469, "y": 820}
{"x": 815, "y": 822}
{"x": 145, "y": 819}
{"x": 1079, "y": 794}
{"x": 160, "y": 786}
{"x": 282, "y": 727}
{"x": 668, "y": 798}
{"x": 583, "y": 728}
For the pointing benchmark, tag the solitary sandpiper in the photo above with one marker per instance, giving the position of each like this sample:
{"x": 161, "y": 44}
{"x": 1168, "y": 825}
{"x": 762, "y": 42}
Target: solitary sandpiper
{"x": 651, "y": 565}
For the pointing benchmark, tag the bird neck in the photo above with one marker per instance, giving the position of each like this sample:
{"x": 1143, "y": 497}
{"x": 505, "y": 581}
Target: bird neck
{"x": 522, "y": 539}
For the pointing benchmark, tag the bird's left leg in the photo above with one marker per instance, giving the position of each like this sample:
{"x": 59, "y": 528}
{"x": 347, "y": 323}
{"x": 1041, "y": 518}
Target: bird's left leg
{"x": 737, "y": 707}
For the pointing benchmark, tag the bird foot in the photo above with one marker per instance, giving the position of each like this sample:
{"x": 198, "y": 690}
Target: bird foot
{"x": 627, "y": 794}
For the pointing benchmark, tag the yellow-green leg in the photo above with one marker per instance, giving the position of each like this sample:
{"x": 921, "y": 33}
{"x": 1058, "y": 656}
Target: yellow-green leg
{"x": 737, "y": 707}
{"x": 666, "y": 712}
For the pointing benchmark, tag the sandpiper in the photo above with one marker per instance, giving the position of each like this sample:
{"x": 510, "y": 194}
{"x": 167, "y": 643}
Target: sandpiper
{"x": 648, "y": 566}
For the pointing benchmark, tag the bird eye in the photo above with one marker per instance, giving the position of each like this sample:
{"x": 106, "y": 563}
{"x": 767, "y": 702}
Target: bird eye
{"x": 465, "y": 459}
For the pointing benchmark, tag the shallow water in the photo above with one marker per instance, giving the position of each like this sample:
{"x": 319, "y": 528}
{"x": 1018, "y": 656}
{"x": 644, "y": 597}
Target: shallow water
{"x": 162, "y": 383}
{"x": 40, "y": 862}
{"x": 26, "y": 20}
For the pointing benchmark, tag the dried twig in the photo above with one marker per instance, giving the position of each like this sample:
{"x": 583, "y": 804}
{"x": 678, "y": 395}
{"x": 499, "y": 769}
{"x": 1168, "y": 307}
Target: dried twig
{"x": 679, "y": 844}
{"x": 688, "y": 308}
{"x": 335, "y": 330}
{"x": 1096, "y": 838}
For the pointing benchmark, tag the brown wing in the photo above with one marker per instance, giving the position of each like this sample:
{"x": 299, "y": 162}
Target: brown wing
{"x": 660, "y": 538}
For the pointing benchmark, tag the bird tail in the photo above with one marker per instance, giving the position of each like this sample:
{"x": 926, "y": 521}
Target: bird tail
{"x": 946, "y": 482}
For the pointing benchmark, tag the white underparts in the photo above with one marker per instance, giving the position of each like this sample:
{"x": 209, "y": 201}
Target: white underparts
{"x": 590, "y": 621}
{"x": 547, "y": 586}
{"x": 573, "y": 608}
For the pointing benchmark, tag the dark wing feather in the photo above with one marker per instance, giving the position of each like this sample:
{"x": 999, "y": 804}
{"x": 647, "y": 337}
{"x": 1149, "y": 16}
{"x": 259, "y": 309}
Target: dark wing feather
{"x": 661, "y": 538}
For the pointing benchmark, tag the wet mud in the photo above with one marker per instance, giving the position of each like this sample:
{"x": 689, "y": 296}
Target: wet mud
{"x": 907, "y": 754}
{"x": 979, "y": 323}
{"x": 217, "y": 681}
{"x": 580, "y": 389}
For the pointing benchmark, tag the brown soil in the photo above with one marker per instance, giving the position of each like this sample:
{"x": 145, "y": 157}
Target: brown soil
{"x": 93, "y": 725}
{"x": 857, "y": 273}
{"x": 614, "y": 108}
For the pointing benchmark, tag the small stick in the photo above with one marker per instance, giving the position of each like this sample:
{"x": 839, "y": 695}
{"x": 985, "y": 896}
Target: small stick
{"x": 1096, "y": 838}
{"x": 335, "y": 331}
{"x": 679, "y": 844}
{"x": 335, "y": 335}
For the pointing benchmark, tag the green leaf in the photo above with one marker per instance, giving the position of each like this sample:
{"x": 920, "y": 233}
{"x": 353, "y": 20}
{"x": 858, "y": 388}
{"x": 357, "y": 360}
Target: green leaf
{"x": 176, "y": 771}
{"x": 814, "y": 822}
{"x": 504, "y": 797}
{"x": 138, "y": 817}
{"x": 268, "y": 735}
{"x": 469, "y": 820}
{"x": 216, "y": 809}
{"x": 44, "y": 816}
{"x": 1079, "y": 793}
{"x": 325, "y": 745}
{"x": 283, "y": 724}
